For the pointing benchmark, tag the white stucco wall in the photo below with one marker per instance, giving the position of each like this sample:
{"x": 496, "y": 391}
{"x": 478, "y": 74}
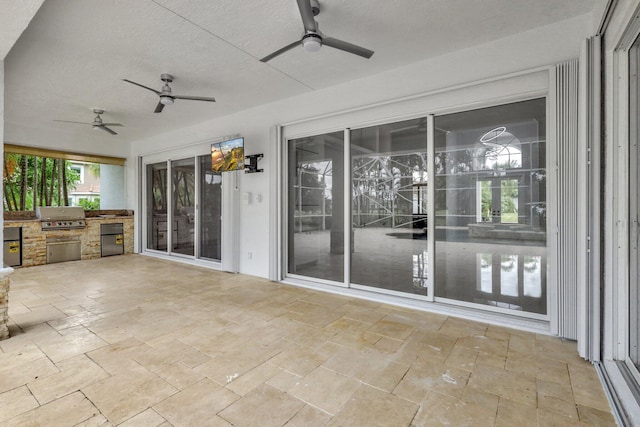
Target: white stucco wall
{"x": 2, "y": 140}
{"x": 525, "y": 51}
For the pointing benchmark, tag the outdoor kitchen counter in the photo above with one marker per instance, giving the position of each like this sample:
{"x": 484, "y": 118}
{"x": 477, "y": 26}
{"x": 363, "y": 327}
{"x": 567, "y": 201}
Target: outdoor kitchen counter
{"x": 34, "y": 239}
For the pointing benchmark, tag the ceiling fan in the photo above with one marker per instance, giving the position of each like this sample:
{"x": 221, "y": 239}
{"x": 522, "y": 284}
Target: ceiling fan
{"x": 166, "y": 96}
{"x": 312, "y": 39}
{"x": 97, "y": 123}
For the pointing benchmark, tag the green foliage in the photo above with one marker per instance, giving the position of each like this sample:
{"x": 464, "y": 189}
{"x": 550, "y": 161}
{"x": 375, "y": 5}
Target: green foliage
{"x": 94, "y": 169}
{"x": 28, "y": 177}
{"x": 89, "y": 205}
{"x": 509, "y": 200}
{"x": 487, "y": 198}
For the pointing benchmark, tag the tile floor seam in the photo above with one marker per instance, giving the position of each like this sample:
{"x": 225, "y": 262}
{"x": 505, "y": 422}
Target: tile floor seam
{"x": 310, "y": 404}
{"x": 139, "y": 413}
{"x": 92, "y": 404}
{"x": 34, "y": 396}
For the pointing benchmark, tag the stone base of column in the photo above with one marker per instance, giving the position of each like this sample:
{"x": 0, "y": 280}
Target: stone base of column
{"x": 4, "y": 303}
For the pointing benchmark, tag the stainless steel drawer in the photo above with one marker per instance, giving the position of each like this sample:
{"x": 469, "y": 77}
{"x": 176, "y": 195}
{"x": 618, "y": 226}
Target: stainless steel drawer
{"x": 63, "y": 250}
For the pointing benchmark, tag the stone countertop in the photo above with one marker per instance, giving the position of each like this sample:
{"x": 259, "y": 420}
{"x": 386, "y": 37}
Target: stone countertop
{"x": 25, "y": 216}
{"x": 108, "y": 217}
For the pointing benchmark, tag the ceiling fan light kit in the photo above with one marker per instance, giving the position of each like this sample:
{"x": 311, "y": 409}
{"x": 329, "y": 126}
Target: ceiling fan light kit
{"x": 311, "y": 42}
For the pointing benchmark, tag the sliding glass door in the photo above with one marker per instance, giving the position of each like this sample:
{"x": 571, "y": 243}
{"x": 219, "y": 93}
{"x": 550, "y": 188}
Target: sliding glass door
{"x": 476, "y": 235}
{"x": 389, "y": 206}
{"x": 183, "y": 205}
{"x": 184, "y": 208}
{"x": 210, "y": 213}
{"x": 157, "y": 202}
{"x": 490, "y": 205}
{"x": 316, "y": 207}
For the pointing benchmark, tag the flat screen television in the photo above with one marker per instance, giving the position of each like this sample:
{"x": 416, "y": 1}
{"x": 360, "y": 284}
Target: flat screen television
{"x": 227, "y": 155}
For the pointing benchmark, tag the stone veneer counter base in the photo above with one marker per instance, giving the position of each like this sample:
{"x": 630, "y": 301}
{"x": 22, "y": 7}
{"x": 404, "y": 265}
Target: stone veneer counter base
{"x": 34, "y": 240}
{"x": 4, "y": 303}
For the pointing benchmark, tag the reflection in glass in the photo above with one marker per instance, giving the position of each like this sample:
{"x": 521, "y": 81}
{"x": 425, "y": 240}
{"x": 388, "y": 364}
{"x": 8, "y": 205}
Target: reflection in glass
{"x": 485, "y": 261}
{"x": 183, "y": 200}
{"x": 532, "y": 276}
{"x": 509, "y": 275}
{"x": 484, "y": 201}
{"x": 509, "y": 201}
{"x": 420, "y": 270}
{"x": 518, "y": 278}
{"x": 389, "y": 206}
{"x": 490, "y": 199}
{"x": 211, "y": 211}
{"x": 316, "y": 207}
{"x": 157, "y": 206}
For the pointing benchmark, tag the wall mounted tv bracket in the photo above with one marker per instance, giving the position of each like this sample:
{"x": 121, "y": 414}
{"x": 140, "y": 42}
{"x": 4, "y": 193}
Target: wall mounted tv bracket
{"x": 252, "y": 166}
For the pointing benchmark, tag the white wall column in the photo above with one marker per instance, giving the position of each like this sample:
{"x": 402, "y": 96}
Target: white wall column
{"x": 111, "y": 186}
{"x": 2, "y": 154}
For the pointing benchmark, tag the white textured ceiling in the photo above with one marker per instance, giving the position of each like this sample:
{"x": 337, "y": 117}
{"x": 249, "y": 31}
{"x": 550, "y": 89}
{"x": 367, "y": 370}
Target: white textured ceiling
{"x": 73, "y": 55}
{"x": 14, "y": 19}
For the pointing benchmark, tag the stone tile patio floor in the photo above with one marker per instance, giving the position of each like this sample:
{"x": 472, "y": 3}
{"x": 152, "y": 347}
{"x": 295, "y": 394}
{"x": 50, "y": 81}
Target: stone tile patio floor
{"x": 137, "y": 341}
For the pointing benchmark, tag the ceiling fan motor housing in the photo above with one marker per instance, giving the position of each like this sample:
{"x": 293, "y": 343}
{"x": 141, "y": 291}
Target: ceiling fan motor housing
{"x": 315, "y": 7}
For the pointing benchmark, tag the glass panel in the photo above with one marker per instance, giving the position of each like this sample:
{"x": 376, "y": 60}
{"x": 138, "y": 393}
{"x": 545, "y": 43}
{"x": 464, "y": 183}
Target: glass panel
{"x": 183, "y": 198}
{"x": 490, "y": 199}
{"x": 389, "y": 206}
{"x": 316, "y": 206}
{"x": 157, "y": 206}
{"x": 210, "y": 210}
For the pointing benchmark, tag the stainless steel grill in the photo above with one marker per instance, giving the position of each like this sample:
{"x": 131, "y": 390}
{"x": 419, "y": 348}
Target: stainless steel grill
{"x": 61, "y": 218}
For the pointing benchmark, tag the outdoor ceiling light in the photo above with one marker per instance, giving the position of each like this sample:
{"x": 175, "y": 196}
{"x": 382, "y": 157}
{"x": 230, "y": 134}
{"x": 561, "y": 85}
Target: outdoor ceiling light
{"x": 311, "y": 42}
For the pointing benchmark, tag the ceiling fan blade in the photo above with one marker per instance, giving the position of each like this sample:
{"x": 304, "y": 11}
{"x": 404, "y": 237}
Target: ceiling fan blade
{"x": 112, "y": 124}
{"x": 347, "y": 47}
{"x": 281, "y": 51}
{"x": 194, "y": 98}
{"x": 69, "y": 121}
{"x": 142, "y": 86}
{"x": 159, "y": 107}
{"x": 308, "y": 20}
{"x": 106, "y": 129}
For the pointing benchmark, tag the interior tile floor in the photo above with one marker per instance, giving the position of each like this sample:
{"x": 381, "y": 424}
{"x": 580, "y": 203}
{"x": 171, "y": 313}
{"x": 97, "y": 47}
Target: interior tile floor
{"x": 138, "y": 341}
